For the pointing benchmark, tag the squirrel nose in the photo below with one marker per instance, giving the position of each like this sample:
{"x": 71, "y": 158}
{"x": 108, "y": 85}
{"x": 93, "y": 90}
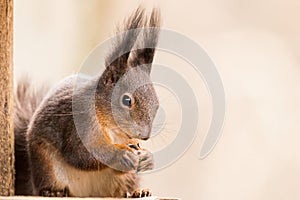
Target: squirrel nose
{"x": 145, "y": 134}
{"x": 145, "y": 138}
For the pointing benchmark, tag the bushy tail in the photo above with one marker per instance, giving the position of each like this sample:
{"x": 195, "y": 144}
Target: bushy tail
{"x": 26, "y": 101}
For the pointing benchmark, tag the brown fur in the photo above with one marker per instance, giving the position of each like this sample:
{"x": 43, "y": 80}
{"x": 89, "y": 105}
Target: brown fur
{"x": 60, "y": 162}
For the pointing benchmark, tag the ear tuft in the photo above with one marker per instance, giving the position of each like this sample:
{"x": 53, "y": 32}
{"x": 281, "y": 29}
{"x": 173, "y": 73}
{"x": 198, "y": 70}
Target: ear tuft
{"x": 143, "y": 50}
{"x": 134, "y": 44}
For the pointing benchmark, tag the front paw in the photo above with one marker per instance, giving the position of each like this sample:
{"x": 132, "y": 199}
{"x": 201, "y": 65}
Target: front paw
{"x": 129, "y": 161}
{"x": 146, "y": 161}
{"x": 124, "y": 160}
{"x": 50, "y": 192}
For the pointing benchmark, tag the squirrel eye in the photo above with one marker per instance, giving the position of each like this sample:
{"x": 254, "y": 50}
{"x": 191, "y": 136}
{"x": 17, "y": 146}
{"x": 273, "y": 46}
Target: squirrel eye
{"x": 126, "y": 100}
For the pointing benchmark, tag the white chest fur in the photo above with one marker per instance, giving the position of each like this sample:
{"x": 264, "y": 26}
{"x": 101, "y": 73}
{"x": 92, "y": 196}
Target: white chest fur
{"x": 83, "y": 183}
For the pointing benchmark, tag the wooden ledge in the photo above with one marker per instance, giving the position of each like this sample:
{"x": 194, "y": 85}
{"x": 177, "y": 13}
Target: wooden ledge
{"x": 73, "y": 198}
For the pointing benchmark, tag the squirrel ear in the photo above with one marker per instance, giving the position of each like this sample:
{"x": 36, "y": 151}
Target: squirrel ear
{"x": 143, "y": 50}
{"x": 134, "y": 45}
{"x": 116, "y": 60}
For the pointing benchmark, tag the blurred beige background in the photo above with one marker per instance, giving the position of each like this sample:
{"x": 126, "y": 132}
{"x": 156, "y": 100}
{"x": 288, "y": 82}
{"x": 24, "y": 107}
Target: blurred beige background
{"x": 256, "y": 48}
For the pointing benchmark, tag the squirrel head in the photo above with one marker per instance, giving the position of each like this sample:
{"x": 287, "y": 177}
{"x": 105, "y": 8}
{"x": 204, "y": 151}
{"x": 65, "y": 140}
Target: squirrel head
{"x": 126, "y": 101}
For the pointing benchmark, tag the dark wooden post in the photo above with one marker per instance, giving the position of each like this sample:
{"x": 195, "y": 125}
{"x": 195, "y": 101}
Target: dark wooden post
{"x": 6, "y": 99}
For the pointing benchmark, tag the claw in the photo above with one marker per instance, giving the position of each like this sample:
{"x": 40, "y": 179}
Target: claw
{"x": 49, "y": 192}
{"x": 140, "y": 193}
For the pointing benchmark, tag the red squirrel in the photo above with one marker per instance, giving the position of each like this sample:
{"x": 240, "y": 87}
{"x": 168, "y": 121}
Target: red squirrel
{"x": 52, "y": 159}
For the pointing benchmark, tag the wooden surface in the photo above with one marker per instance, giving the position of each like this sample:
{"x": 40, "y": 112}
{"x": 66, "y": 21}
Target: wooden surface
{"x": 6, "y": 98}
{"x": 65, "y": 198}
